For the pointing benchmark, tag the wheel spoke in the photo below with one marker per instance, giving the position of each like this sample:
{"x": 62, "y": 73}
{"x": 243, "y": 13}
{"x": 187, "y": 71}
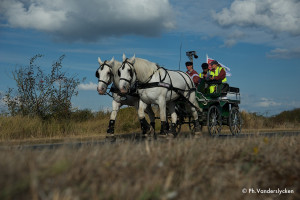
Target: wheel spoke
{"x": 235, "y": 121}
{"x": 214, "y": 121}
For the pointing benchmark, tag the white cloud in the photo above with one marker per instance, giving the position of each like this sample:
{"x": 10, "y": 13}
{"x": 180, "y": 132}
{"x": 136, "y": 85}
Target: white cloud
{"x": 90, "y": 20}
{"x": 284, "y": 53}
{"x": 254, "y": 103}
{"x": 38, "y": 15}
{"x": 264, "y": 102}
{"x": 274, "y": 23}
{"x": 87, "y": 86}
{"x": 274, "y": 15}
{"x": 233, "y": 37}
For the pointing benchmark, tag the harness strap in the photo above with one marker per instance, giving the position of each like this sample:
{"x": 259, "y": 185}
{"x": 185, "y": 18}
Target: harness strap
{"x": 164, "y": 85}
{"x": 170, "y": 86}
{"x": 124, "y": 79}
{"x": 166, "y": 73}
{"x": 132, "y": 91}
{"x": 131, "y": 67}
{"x": 109, "y": 94}
{"x": 101, "y": 68}
{"x": 101, "y": 81}
{"x": 150, "y": 77}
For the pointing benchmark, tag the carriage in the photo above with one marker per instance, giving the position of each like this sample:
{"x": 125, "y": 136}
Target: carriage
{"x": 219, "y": 108}
{"x": 173, "y": 90}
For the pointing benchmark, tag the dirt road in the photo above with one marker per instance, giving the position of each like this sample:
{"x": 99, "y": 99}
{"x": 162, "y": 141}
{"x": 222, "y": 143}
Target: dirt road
{"x": 131, "y": 137}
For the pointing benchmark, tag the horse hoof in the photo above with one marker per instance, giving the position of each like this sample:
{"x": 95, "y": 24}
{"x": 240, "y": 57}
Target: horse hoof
{"x": 172, "y": 135}
{"x": 167, "y": 136}
{"x": 198, "y": 134}
{"x": 111, "y": 137}
{"x": 148, "y": 133}
{"x": 162, "y": 135}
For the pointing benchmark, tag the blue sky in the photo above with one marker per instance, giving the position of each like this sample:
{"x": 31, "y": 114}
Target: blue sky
{"x": 258, "y": 40}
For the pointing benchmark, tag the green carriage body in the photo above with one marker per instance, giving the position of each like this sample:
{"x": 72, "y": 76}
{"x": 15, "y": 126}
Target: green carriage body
{"x": 220, "y": 100}
{"x": 216, "y": 109}
{"x": 220, "y": 108}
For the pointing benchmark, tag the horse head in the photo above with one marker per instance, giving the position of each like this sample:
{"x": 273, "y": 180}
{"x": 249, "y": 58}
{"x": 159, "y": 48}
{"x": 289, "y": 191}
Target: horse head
{"x": 127, "y": 74}
{"x": 104, "y": 75}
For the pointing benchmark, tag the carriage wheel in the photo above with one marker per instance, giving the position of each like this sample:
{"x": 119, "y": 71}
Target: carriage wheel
{"x": 235, "y": 121}
{"x": 214, "y": 121}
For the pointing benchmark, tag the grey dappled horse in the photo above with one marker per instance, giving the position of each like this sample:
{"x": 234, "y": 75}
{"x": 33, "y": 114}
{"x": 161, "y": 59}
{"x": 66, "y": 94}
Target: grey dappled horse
{"x": 158, "y": 86}
{"x": 107, "y": 74}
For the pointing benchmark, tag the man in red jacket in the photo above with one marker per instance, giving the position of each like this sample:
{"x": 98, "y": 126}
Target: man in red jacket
{"x": 218, "y": 72}
{"x": 192, "y": 73}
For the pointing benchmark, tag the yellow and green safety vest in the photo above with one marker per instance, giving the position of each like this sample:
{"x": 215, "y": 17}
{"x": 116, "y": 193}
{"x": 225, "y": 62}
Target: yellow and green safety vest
{"x": 216, "y": 73}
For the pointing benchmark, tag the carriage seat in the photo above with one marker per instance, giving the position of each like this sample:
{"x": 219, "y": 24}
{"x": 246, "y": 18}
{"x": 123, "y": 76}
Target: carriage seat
{"x": 221, "y": 91}
{"x": 234, "y": 90}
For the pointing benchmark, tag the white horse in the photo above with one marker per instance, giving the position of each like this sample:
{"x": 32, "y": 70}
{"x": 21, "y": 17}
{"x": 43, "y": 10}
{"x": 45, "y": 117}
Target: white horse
{"x": 159, "y": 86}
{"x": 107, "y": 74}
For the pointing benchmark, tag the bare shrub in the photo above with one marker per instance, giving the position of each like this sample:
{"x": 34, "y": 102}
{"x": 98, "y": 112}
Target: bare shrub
{"x": 41, "y": 94}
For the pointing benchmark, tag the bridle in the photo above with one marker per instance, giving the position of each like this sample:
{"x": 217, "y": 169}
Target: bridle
{"x": 131, "y": 71}
{"x": 101, "y": 68}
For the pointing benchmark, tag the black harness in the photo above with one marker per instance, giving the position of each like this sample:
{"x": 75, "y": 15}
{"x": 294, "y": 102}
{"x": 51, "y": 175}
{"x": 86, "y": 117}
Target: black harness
{"x": 132, "y": 91}
{"x": 170, "y": 86}
{"x": 131, "y": 71}
{"x": 161, "y": 83}
{"x": 101, "y": 68}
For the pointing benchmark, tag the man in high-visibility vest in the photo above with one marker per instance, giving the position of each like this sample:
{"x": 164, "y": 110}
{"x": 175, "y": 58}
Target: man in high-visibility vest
{"x": 204, "y": 77}
{"x": 205, "y": 73}
{"x": 216, "y": 73}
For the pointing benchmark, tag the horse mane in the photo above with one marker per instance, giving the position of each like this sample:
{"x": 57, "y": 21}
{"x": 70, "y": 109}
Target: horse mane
{"x": 144, "y": 69}
{"x": 114, "y": 70}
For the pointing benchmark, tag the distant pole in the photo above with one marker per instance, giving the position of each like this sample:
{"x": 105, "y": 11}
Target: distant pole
{"x": 180, "y": 54}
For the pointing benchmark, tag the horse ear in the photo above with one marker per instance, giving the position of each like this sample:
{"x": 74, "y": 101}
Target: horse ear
{"x": 124, "y": 57}
{"x": 112, "y": 60}
{"x": 99, "y": 61}
{"x": 132, "y": 60}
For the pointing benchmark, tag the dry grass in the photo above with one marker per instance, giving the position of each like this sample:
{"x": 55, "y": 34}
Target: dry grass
{"x": 206, "y": 168}
{"x": 254, "y": 121}
{"x": 86, "y": 124}
{"x": 20, "y": 128}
